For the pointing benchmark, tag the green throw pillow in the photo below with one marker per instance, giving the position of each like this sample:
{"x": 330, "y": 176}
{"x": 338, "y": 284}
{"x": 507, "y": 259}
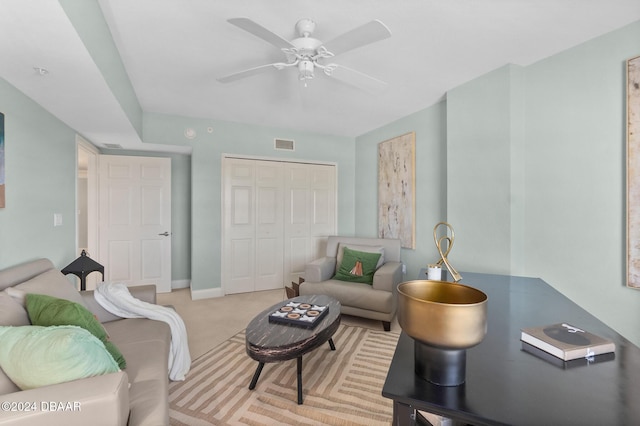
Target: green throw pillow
{"x": 357, "y": 266}
{"x": 33, "y": 356}
{"x": 47, "y": 311}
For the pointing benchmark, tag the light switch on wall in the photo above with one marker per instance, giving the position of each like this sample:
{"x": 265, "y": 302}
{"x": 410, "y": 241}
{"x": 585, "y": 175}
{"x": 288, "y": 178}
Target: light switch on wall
{"x": 57, "y": 219}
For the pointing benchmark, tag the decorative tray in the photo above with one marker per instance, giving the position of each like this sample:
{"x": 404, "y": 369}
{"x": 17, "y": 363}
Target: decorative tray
{"x": 302, "y": 314}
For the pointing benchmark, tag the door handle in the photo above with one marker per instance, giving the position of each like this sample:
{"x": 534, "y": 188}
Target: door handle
{"x": 165, "y": 233}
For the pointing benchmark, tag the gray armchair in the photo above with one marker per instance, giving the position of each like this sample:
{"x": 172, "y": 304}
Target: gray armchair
{"x": 377, "y": 301}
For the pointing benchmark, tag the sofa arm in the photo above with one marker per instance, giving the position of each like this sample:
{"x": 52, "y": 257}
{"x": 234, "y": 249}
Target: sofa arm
{"x": 320, "y": 270}
{"x": 146, "y": 293}
{"x": 388, "y": 276}
{"x": 95, "y": 400}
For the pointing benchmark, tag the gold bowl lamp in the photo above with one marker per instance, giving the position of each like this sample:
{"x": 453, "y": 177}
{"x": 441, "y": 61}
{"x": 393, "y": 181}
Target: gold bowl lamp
{"x": 442, "y": 314}
{"x": 444, "y": 319}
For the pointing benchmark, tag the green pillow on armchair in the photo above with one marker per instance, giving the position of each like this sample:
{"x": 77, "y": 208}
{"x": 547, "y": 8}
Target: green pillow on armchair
{"x": 357, "y": 266}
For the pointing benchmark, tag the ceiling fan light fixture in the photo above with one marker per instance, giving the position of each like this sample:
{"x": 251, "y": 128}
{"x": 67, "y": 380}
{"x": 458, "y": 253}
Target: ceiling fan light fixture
{"x": 305, "y": 69}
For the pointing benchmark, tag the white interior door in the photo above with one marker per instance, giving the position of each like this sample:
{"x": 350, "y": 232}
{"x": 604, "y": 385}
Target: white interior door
{"x": 310, "y": 215}
{"x": 135, "y": 220}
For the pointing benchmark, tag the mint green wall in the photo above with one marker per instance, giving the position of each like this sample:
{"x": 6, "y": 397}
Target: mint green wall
{"x": 576, "y": 176}
{"x": 534, "y": 165}
{"x": 479, "y": 190}
{"x": 431, "y": 186}
{"x": 40, "y": 177}
{"x": 206, "y": 176}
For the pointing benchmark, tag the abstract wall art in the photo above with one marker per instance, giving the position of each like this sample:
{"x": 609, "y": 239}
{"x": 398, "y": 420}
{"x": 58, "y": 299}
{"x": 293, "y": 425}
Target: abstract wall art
{"x": 397, "y": 189}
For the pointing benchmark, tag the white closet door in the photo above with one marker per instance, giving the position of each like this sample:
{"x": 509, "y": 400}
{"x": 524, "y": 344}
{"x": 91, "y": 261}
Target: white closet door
{"x": 322, "y": 188}
{"x": 239, "y": 222}
{"x": 277, "y": 217}
{"x": 310, "y": 215}
{"x": 269, "y": 225}
{"x": 297, "y": 213}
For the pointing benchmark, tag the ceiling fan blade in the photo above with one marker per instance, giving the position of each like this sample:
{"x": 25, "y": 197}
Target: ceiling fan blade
{"x": 261, "y": 32}
{"x": 368, "y": 33}
{"x": 248, "y": 73}
{"x": 357, "y": 79}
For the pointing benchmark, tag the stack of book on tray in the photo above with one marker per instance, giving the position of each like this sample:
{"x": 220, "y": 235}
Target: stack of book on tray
{"x": 569, "y": 346}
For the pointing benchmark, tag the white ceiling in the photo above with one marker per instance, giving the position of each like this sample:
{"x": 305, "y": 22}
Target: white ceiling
{"x": 173, "y": 51}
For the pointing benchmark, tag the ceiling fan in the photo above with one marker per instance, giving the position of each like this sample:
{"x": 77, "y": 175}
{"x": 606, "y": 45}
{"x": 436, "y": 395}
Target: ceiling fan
{"x": 308, "y": 54}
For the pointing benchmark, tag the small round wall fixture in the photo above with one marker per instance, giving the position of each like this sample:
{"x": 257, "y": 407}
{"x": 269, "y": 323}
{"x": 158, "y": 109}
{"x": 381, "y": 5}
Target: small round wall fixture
{"x": 190, "y": 133}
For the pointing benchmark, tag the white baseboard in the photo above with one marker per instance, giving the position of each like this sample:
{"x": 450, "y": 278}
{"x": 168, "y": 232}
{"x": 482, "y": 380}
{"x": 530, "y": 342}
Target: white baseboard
{"x": 197, "y": 294}
{"x": 206, "y": 293}
{"x": 177, "y": 284}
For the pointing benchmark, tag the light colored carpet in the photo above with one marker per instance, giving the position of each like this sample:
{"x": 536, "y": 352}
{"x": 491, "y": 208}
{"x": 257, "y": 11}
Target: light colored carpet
{"x": 212, "y": 321}
{"x": 341, "y": 387}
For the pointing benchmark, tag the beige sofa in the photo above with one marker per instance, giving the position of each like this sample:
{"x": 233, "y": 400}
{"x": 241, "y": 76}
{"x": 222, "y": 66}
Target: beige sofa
{"x": 377, "y": 301}
{"x": 137, "y": 395}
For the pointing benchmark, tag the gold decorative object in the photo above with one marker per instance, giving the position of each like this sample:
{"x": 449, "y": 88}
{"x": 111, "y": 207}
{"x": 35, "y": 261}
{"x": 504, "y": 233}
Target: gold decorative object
{"x": 442, "y": 314}
{"x": 443, "y": 255}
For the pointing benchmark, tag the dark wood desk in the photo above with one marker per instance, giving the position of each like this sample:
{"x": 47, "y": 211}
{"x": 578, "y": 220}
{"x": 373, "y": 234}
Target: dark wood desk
{"x": 506, "y": 385}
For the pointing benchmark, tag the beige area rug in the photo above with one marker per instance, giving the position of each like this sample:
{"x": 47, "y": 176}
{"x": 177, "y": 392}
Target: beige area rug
{"x": 341, "y": 387}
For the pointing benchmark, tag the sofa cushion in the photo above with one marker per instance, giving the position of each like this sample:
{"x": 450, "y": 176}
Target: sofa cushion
{"x": 360, "y": 247}
{"x": 135, "y": 337}
{"x": 52, "y": 283}
{"x": 357, "y": 295}
{"x": 11, "y": 311}
{"x": 145, "y": 343}
{"x": 47, "y": 310}
{"x": 357, "y": 266}
{"x": 34, "y": 356}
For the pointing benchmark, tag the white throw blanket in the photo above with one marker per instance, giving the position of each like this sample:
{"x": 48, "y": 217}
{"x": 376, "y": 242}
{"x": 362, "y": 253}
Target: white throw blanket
{"x": 116, "y": 298}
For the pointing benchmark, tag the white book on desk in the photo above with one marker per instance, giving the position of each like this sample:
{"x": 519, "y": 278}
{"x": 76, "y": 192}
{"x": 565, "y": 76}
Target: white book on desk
{"x": 566, "y": 341}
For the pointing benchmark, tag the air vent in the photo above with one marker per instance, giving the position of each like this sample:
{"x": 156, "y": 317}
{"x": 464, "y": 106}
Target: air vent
{"x": 285, "y": 145}
{"x": 113, "y": 146}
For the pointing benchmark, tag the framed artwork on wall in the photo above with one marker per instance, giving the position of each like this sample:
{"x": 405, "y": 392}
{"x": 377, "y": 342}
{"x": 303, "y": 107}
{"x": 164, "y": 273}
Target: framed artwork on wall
{"x": 2, "y": 184}
{"x": 633, "y": 172}
{"x": 397, "y": 189}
